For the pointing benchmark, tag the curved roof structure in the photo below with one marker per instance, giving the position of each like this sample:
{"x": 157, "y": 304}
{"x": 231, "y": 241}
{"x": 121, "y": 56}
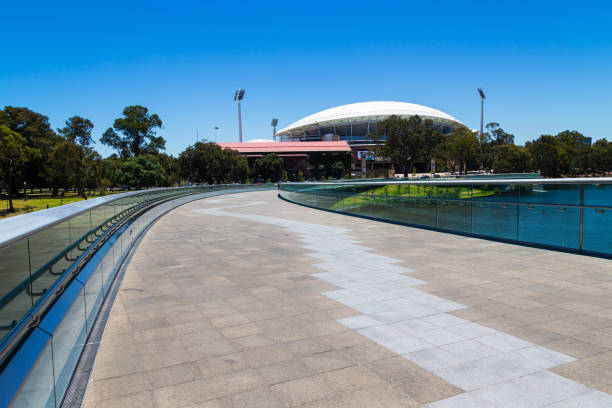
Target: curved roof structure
{"x": 367, "y": 111}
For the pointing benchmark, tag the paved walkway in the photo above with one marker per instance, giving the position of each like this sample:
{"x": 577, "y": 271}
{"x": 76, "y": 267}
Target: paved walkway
{"x": 248, "y": 301}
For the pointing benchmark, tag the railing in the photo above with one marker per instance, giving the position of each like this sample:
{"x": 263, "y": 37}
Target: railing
{"x": 569, "y": 214}
{"x": 56, "y": 268}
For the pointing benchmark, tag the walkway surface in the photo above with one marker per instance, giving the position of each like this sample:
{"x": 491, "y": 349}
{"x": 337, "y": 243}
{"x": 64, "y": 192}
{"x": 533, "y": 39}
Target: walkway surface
{"x": 246, "y": 300}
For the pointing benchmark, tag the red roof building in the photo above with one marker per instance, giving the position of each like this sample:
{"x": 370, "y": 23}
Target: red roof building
{"x": 285, "y": 148}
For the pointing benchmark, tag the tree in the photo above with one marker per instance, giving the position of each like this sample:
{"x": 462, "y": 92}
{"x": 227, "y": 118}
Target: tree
{"x": 510, "y": 158}
{"x": 576, "y": 152}
{"x": 13, "y": 152}
{"x": 459, "y": 149}
{"x": 40, "y": 139}
{"x": 109, "y": 171}
{"x": 65, "y": 166}
{"x": 134, "y": 133}
{"x": 602, "y": 156}
{"x": 547, "y": 155}
{"x": 337, "y": 169}
{"x": 171, "y": 168}
{"x": 500, "y": 137}
{"x": 208, "y": 162}
{"x": 404, "y": 139}
{"x": 77, "y": 130}
{"x": 269, "y": 167}
{"x": 142, "y": 171}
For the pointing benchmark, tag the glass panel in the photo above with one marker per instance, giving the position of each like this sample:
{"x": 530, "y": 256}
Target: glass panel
{"x": 495, "y": 211}
{"x": 38, "y": 390}
{"x": 94, "y": 294}
{"x": 454, "y": 208}
{"x": 68, "y": 339}
{"x": 46, "y": 256}
{"x": 555, "y": 225}
{"x": 14, "y": 279}
{"x": 597, "y": 236}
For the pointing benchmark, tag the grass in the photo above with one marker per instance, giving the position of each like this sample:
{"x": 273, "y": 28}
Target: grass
{"x": 415, "y": 191}
{"x": 41, "y": 201}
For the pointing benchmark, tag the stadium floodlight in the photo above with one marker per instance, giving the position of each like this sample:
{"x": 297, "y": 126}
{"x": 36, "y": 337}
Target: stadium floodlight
{"x": 238, "y": 96}
{"x": 482, "y": 98}
{"x": 273, "y": 124}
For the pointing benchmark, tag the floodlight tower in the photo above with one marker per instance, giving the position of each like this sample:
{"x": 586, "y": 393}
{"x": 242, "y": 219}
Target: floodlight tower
{"x": 273, "y": 124}
{"x": 238, "y": 96}
{"x": 482, "y": 98}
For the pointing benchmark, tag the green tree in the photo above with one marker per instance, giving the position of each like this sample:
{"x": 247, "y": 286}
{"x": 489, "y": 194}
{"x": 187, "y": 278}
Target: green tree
{"x": 510, "y": 158}
{"x": 13, "y": 153}
{"x": 142, "y": 171}
{"x": 171, "y": 168}
{"x": 268, "y": 167}
{"x": 109, "y": 170}
{"x": 337, "y": 169}
{"x": 134, "y": 133}
{"x": 602, "y": 156}
{"x": 208, "y": 162}
{"x": 547, "y": 155}
{"x": 92, "y": 173}
{"x": 77, "y": 130}
{"x": 65, "y": 166}
{"x": 40, "y": 139}
{"x": 404, "y": 140}
{"x": 499, "y": 136}
{"x": 459, "y": 150}
{"x": 576, "y": 153}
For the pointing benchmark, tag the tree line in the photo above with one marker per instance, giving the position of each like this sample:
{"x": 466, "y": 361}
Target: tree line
{"x": 416, "y": 140}
{"x": 34, "y": 156}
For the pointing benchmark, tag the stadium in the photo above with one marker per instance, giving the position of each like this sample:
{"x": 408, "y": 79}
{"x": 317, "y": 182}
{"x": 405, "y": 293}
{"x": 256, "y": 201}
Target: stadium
{"x": 353, "y": 122}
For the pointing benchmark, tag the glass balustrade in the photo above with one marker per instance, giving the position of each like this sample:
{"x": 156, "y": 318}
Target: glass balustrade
{"x": 568, "y": 214}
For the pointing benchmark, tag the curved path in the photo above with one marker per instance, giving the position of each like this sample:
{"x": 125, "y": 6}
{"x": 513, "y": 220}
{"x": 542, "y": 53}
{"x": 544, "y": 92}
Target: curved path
{"x": 249, "y": 301}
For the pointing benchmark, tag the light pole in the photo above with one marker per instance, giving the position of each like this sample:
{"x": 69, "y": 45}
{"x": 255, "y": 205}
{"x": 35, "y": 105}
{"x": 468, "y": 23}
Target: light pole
{"x": 238, "y": 96}
{"x": 273, "y": 124}
{"x": 482, "y": 98}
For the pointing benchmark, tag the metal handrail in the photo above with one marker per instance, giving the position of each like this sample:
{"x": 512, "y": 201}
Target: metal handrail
{"x": 574, "y": 180}
{"x": 25, "y": 225}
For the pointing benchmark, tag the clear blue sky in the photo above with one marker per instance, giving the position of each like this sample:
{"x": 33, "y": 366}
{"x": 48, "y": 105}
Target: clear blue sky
{"x": 545, "y": 66}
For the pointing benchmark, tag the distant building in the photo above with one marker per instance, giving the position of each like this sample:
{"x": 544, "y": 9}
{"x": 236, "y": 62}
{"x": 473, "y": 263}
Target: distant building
{"x": 352, "y": 123}
{"x": 312, "y": 158}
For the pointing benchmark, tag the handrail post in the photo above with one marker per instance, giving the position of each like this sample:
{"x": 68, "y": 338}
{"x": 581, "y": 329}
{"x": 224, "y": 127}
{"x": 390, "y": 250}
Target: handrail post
{"x": 581, "y": 215}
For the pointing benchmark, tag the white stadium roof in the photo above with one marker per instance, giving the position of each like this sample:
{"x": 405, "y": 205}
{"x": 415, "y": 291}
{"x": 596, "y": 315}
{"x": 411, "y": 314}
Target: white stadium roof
{"x": 366, "y": 111}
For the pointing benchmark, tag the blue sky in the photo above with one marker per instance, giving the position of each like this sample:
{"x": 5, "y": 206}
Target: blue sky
{"x": 545, "y": 66}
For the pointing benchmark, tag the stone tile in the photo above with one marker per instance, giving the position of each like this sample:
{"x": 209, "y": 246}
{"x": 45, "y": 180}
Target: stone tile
{"x": 510, "y": 395}
{"x": 430, "y": 388}
{"x": 551, "y": 386}
{"x": 172, "y": 375}
{"x": 236, "y": 382}
{"x": 117, "y": 387}
{"x": 267, "y": 355}
{"x": 367, "y": 352}
{"x": 285, "y": 371}
{"x": 461, "y": 401}
{"x": 302, "y": 391}
{"x": 260, "y": 398}
{"x": 184, "y": 394}
{"x": 395, "y": 369}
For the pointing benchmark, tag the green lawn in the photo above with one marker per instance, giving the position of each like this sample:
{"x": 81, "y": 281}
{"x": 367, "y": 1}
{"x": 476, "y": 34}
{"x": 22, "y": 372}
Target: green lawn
{"x": 41, "y": 201}
{"x": 415, "y": 191}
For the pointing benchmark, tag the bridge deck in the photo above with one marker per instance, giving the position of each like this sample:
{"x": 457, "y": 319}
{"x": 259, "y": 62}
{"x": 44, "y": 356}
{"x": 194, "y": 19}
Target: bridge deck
{"x": 246, "y": 300}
